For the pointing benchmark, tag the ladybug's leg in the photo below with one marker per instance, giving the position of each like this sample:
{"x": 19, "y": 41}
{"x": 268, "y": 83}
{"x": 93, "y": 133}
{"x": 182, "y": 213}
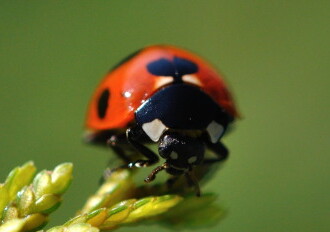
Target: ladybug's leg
{"x": 117, "y": 144}
{"x": 133, "y": 134}
{"x": 192, "y": 181}
{"x": 220, "y": 150}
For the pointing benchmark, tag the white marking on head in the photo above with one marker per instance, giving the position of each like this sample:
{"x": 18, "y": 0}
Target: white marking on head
{"x": 192, "y": 159}
{"x": 163, "y": 80}
{"x": 191, "y": 79}
{"x": 174, "y": 155}
{"x": 154, "y": 129}
{"x": 215, "y": 131}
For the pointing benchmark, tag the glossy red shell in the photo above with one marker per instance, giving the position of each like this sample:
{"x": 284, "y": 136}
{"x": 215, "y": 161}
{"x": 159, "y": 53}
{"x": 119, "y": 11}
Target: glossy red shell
{"x": 131, "y": 84}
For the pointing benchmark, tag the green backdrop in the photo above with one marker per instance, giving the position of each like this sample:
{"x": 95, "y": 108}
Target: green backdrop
{"x": 274, "y": 54}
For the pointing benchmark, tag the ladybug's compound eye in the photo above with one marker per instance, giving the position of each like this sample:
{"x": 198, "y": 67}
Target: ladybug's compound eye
{"x": 103, "y": 103}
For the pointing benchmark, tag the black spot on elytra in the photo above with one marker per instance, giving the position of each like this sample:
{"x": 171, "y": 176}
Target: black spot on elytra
{"x": 161, "y": 67}
{"x": 102, "y": 104}
{"x": 184, "y": 66}
{"x": 127, "y": 58}
{"x": 176, "y": 68}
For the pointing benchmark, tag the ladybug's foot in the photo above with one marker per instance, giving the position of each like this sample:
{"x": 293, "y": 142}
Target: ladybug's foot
{"x": 106, "y": 174}
{"x": 108, "y": 171}
{"x": 154, "y": 172}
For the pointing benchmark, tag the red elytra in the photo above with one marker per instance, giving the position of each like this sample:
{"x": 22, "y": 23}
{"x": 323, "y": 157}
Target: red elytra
{"x": 130, "y": 84}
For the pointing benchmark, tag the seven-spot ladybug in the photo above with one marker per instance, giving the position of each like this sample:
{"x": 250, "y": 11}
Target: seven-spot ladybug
{"x": 165, "y": 95}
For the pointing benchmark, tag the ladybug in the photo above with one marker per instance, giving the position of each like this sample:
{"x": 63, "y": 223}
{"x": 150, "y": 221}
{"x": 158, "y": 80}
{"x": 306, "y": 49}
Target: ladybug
{"x": 165, "y": 95}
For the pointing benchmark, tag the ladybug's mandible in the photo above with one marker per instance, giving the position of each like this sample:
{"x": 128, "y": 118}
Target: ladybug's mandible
{"x": 165, "y": 95}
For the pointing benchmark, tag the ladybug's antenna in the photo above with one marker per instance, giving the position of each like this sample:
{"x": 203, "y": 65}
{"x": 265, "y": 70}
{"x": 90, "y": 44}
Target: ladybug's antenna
{"x": 152, "y": 175}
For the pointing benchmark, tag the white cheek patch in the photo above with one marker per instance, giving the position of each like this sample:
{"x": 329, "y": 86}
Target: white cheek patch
{"x": 192, "y": 79}
{"x": 174, "y": 155}
{"x": 215, "y": 131}
{"x": 154, "y": 129}
{"x": 163, "y": 80}
{"x": 192, "y": 159}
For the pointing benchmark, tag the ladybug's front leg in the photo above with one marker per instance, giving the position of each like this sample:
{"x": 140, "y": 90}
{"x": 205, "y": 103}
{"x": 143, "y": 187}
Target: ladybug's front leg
{"x": 133, "y": 134}
{"x": 117, "y": 143}
{"x": 220, "y": 150}
{"x": 192, "y": 181}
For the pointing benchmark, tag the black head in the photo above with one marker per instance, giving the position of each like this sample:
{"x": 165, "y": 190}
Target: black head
{"x": 181, "y": 152}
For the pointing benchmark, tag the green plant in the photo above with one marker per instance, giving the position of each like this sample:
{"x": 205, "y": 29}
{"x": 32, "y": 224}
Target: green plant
{"x": 27, "y": 199}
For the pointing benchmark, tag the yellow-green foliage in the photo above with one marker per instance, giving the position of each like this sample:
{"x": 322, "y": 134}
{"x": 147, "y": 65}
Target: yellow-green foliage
{"x": 128, "y": 211}
{"x": 119, "y": 186}
{"x": 31, "y": 197}
{"x": 26, "y": 201}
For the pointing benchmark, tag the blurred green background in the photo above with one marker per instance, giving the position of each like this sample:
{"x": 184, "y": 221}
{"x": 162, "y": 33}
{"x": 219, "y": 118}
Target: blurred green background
{"x": 274, "y": 54}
